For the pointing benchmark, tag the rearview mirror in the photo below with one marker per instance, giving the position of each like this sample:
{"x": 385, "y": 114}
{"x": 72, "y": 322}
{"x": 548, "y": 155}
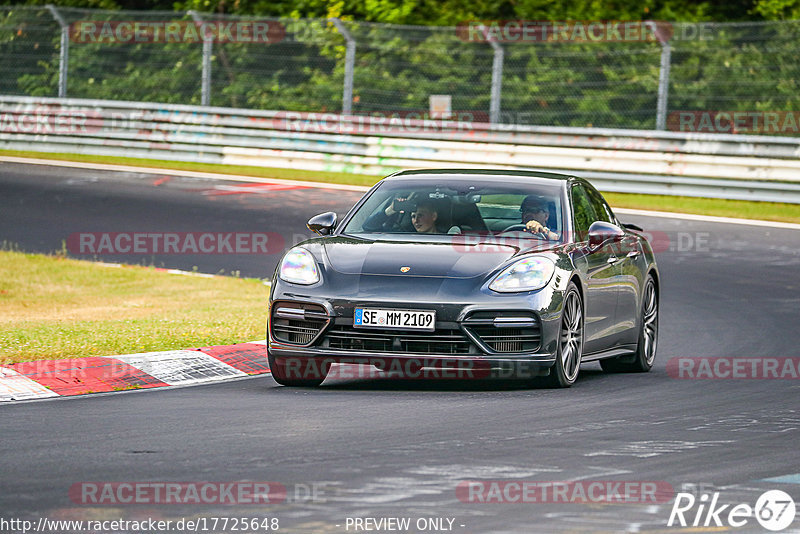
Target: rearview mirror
{"x": 322, "y": 224}
{"x": 601, "y": 231}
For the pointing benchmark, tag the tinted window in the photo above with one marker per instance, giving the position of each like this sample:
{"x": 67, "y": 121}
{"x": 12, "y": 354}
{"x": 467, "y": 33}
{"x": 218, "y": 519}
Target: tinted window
{"x": 601, "y": 209}
{"x": 583, "y": 212}
{"x": 461, "y": 206}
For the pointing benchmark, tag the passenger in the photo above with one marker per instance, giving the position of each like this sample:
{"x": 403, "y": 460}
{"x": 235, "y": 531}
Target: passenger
{"x": 424, "y": 217}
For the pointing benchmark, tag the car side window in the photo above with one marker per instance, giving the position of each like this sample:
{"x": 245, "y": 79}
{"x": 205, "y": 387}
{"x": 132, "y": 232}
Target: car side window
{"x": 583, "y": 212}
{"x": 601, "y": 209}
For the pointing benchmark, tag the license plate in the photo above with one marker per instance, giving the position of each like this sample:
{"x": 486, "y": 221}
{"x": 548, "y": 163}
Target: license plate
{"x": 398, "y": 319}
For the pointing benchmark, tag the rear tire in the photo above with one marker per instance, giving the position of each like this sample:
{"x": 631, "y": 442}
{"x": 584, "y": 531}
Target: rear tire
{"x": 298, "y": 372}
{"x": 648, "y": 337}
{"x": 570, "y": 342}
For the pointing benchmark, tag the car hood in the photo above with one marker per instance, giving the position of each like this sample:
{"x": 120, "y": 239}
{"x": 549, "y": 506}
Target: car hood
{"x": 457, "y": 258}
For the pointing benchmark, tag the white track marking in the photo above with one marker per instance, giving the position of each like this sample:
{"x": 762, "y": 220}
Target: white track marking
{"x": 14, "y": 386}
{"x": 181, "y": 367}
{"x": 706, "y": 218}
{"x": 177, "y": 172}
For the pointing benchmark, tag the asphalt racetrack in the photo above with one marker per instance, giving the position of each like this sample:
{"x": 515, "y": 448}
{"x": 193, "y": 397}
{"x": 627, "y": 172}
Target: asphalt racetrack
{"x": 382, "y": 448}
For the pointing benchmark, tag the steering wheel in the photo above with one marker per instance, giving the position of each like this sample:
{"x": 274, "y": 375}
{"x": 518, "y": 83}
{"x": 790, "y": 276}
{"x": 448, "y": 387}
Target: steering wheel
{"x": 520, "y": 228}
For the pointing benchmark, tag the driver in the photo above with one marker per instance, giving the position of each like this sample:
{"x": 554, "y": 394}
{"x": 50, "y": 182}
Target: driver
{"x": 535, "y": 214}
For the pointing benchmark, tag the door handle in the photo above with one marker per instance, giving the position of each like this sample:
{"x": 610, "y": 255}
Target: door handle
{"x": 612, "y": 259}
{"x": 633, "y": 253}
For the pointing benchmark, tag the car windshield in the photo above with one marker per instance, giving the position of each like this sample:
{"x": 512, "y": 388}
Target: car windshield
{"x": 436, "y": 207}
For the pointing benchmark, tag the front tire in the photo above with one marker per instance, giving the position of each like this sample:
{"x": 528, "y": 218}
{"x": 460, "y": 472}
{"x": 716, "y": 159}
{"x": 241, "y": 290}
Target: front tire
{"x": 296, "y": 372}
{"x": 648, "y": 337}
{"x": 570, "y": 342}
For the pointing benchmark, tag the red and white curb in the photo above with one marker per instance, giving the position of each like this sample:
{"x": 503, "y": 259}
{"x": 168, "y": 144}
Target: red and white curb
{"x": 80, "y": 376}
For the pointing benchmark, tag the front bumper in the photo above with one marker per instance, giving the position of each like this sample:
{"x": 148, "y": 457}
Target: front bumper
{"x": 337, "y": 340}
{"x": 420, "y": 366}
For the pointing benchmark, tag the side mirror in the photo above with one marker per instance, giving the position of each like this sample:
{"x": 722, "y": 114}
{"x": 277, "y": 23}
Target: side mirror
{"x": 601, "y": 231}
{"x": 322, "y": 224}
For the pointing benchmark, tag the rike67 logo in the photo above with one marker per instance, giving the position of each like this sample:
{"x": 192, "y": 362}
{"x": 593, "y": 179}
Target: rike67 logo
{"x": 774, "y": 510}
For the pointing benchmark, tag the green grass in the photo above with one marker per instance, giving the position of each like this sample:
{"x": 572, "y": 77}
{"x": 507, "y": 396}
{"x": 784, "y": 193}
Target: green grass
{"x": 53, "y": 307}
{"x": 742, "y": 209}
{"x": 768, "y": 211}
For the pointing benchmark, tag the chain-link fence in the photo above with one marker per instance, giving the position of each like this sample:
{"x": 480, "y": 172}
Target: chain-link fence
{"x": 326, "y": 65}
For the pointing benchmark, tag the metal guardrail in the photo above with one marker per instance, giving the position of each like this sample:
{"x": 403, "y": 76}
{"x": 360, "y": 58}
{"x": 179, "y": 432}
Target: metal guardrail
{"x": 631, "y": 161}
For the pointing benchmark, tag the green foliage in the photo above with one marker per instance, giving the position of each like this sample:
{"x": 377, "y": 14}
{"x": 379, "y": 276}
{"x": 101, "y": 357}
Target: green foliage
{"x": 740, "y": 67}
{"x": 744, "y": 68}
{"x": 777, "y": 9}
{"x": 28, "y": 52}
{"x": 451, "y": 12}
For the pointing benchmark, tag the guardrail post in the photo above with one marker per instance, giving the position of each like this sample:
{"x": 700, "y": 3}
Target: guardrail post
{"x": 663, "y": 77}
{"x": 63, "y": 61}
{"x": 349, "y": 66}
{"x": 663, "y": 87}
{"x": 497, "y": 77}
{"x": 497, "y": 83}
{"x": 205, "y": 91}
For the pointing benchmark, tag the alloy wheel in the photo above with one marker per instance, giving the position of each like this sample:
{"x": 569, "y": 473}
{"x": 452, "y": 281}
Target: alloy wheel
{"x": 650, "y": 314}
{"x": 571, "y": 336}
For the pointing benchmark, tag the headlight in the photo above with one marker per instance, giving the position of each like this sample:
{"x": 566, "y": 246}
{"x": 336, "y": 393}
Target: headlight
{"x": 528, "y": 274}
{"x": 299, "y": 267}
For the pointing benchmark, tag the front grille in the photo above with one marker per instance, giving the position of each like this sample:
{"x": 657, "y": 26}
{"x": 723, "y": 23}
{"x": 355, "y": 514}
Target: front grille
{"x": 440, "y": 341}
{"x": 296, "y": 332}
{"x": 506, "y": 331}
{"x": 297, "y": 323}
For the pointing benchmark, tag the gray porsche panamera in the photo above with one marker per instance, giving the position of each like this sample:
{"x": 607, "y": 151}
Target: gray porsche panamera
{"x": 478, "y": 272}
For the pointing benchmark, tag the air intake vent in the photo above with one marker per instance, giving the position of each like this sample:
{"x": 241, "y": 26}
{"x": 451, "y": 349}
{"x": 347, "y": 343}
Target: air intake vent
{"x": 505, "y": 331}
{"x": 297, "y": 323}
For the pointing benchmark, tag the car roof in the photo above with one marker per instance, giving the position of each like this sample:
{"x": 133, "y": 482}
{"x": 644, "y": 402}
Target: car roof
{"x": 499, "y": 174}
